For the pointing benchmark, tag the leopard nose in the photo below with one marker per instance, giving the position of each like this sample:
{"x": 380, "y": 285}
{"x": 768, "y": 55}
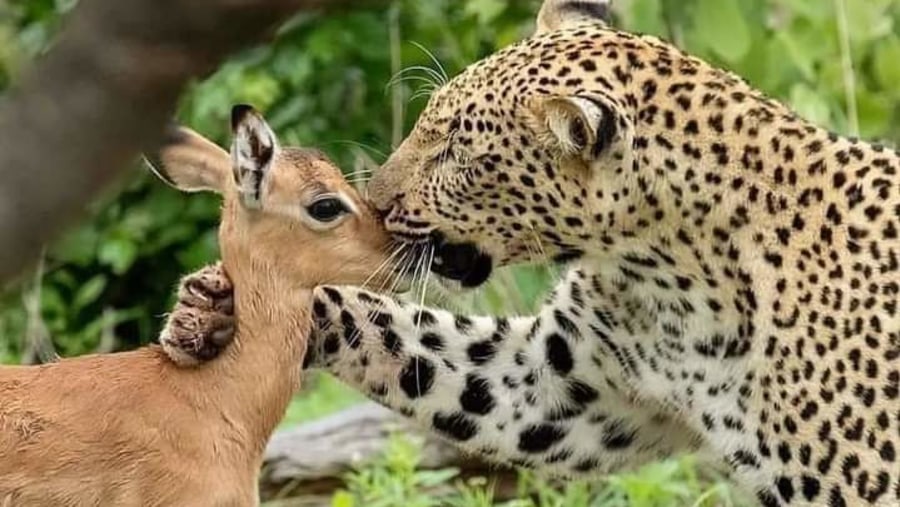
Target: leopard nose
{"x": 393, "y": 180}
{"x": 383, "y": 214}
{"x": 386, "y": 208}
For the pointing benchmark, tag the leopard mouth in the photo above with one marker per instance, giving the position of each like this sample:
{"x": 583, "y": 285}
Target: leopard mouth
{"x": 463, "y": 263}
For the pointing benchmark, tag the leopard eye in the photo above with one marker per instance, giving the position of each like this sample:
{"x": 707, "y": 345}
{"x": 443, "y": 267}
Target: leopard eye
{"x": 461, "y": 157}
{"x": 440, "y": 158}
{"x": 327, "y": 209}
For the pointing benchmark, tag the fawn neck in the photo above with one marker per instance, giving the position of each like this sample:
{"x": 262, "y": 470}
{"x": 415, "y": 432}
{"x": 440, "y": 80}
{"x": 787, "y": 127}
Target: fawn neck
{"x": 261, "y": 370}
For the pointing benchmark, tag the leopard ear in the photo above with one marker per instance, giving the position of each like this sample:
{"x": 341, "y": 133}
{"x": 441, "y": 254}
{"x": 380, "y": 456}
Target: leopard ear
{"x": 558, "y": 14}
{"x": 581, "y": 125}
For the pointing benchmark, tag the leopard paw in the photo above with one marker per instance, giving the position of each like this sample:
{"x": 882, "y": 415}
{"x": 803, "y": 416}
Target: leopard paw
{"x": 202, "y": 324}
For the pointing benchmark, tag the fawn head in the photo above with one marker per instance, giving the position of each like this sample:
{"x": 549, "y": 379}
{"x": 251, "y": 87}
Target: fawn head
{"x": 286, "y": 209}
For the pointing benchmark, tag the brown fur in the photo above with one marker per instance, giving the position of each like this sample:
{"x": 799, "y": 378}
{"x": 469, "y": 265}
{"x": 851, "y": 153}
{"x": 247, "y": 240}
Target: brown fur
{"x": 136, "y": 429}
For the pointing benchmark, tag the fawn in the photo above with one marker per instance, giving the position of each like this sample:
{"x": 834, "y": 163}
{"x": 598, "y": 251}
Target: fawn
{"x": 134, "y": 428}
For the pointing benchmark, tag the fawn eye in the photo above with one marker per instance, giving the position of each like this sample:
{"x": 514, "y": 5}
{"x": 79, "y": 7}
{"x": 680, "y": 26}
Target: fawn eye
{"x": 327, "y": 209}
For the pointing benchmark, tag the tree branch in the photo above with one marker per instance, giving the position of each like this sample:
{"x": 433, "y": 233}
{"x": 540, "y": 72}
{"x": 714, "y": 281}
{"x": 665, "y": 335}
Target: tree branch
{"x": 102, "y": 95}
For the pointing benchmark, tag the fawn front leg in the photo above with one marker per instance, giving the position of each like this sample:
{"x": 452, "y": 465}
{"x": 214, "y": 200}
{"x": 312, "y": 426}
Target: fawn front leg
{"x": 513, "y": 390}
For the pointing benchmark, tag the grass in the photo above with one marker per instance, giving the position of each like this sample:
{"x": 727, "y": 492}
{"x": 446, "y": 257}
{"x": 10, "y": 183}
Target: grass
{"x": 395, "y": 479}
{"x": 321, "y": 395}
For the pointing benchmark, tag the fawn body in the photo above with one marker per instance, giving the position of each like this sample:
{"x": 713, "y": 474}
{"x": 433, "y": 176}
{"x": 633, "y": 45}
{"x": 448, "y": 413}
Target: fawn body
{"x": 134, "y": 428}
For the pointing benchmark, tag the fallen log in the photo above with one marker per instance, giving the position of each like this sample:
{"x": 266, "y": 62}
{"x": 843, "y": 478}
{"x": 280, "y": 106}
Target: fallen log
{"x": 304, "y": 466}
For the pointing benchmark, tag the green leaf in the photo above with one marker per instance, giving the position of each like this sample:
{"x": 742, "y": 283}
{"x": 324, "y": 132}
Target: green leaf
{"x": 89, "y": 292}
{"x": 509, "y": 36}
{"x": 118, "y": 253}
{"x": 816, "y": 11}
{"x": 645, "y": 16}
{"x": 887, "y": 65}
{"x": 803, "y": 52}
{"x": 434, "y": 478}
{"x": 343, "y": 499}
{"x": 485, "y": 10}
{"x": 175, "y": 234}
{"x": 868, "y": 20}
{"x": 721, "y": 25}
{"x": 200, "y": 251}
{"x": 259, "y": 89}
{"x": 77, "y": 246}
{"x": 52, "y": 303}
{"x": 810, "y": 104}
{"x": 874, "y": 111}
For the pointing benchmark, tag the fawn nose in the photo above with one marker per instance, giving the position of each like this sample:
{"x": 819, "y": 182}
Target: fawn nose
{"x": 381, "y": 192}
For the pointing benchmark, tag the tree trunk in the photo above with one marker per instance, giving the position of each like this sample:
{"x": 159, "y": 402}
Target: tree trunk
{"x": 103, "y": 94}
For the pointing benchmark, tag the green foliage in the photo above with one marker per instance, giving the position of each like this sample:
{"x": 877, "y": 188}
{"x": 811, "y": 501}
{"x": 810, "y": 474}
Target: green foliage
{"x": 26, "y": 28}
{"x": 395, "y": 479}
{"x": 321, "y": 395}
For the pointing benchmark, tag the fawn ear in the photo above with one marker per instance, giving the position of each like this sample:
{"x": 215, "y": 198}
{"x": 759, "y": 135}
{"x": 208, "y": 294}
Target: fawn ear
{"x": 253, "y": 153}
{"x": 559, "y": 14}
{"x": 190, "y": 162}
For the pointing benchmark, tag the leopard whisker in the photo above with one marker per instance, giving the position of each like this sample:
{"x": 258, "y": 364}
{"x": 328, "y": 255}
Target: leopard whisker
{"x": 424, "y": 289}
{"x": 423, "y": 91}
{"x": 358, "y": 144}
{"x": 400, "y": 275}
{"x": 417, "y": 271}
{"x": 540, "y": 244}
{"x": 361, "y": 172}
{"x": 440, "y": 68}
{"x": 431, "y": 77}
{"x": 427, "y": 267}
{"x": 387, "y": 262}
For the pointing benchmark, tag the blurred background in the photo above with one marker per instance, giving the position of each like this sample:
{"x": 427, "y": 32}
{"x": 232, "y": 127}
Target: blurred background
{"x": 352, "y": 84}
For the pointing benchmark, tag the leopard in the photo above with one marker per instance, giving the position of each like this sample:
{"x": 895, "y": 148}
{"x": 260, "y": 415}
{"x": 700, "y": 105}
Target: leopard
{"x": 731, "y": 273}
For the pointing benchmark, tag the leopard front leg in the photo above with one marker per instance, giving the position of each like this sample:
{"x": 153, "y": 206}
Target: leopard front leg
{"x": 516, "y": 391}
